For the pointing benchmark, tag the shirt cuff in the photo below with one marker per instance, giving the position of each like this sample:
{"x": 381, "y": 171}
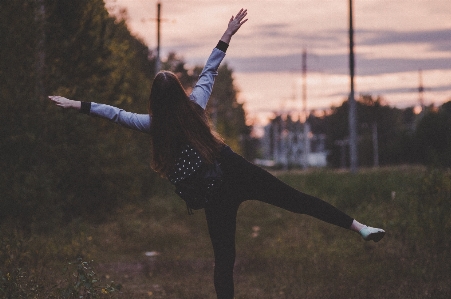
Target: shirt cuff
{"x": 85, "y": 107}
{"x": 222, "y": 46}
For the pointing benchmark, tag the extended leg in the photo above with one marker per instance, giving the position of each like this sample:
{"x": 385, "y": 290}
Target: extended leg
{"x": 252, "y": 182}
{"x": 269, "y": 189}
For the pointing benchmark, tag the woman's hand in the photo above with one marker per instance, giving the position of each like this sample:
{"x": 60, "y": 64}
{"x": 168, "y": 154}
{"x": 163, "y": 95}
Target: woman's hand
{"x": 234, "y": 24}
{"x": 65, "y": 103}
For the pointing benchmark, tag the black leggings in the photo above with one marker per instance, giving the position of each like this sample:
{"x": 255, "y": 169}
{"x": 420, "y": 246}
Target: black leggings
{"x": 244, "y": 181}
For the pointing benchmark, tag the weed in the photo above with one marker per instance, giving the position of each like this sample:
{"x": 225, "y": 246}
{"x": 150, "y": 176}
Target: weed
{"x": 82, "y": 282}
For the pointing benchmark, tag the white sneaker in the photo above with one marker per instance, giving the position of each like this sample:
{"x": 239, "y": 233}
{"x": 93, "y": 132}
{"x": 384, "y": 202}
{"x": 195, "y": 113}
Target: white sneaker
{"x": 371, "y": 233}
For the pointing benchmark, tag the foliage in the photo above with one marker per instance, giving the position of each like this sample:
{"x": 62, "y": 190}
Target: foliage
{"x": 57, "y": 165}
{"x": 403, "y": 136}
{"x": 176, "y": 64}
{"x": 82, "y": 282}
{"x": 394, "y": 132}
{"x": 16, "y": 279}
{"x": 279, "y": 254}
{"x": 433, "y": 136}
{"x": 227, "y": 114}
{"x": 35, "y": 265}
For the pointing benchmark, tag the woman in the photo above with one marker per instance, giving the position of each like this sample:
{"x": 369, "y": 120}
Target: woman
{"x": 176, "y": 120}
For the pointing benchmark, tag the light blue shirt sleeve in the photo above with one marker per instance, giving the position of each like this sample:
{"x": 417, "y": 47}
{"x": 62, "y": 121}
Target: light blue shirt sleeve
{"x": 202, "y": 90}
{"x": 141, "y": 122}
{"x": 134, "y": 121}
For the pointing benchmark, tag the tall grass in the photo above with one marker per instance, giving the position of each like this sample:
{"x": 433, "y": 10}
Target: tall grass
{"x": 155, "y": 250}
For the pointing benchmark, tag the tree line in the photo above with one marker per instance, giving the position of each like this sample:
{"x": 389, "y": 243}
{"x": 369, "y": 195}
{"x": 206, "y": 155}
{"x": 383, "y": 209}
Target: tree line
{"x": 403, "y": 136}
{"x": 57, "y": 165}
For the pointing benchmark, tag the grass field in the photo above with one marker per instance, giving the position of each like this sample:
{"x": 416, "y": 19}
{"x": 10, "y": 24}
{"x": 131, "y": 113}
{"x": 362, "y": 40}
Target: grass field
{"x": 155, "y": 250}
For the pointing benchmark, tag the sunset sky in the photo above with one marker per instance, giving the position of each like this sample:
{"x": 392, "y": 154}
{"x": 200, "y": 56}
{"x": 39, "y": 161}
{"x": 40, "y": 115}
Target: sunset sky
{"x": 393, "y": 41}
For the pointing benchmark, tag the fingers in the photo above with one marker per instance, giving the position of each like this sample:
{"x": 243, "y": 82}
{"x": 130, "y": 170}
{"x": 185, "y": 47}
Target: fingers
{"x": 234, "y": 25}
{"x": 241, "y": 15}
{"x": 237, "y": 21}
{"x": 58, "y": 100}
{"x": 242, "y": 12}
{"x": 55, "y": 99}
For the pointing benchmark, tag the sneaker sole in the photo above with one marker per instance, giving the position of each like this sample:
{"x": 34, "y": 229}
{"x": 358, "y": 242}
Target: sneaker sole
{"x": 376, "y": 237}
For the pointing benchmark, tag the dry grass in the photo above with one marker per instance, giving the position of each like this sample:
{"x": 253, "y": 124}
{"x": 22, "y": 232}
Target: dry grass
{"x": 279, "y": 254}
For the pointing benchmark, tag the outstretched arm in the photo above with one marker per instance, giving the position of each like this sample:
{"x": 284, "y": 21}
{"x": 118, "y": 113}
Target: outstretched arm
{"x": 134, "y": 121}
{"x": 202, "y": 91}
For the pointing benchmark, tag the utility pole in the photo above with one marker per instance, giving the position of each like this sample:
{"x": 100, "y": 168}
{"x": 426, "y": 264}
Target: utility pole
{"x": 420, "y": 90}
{"x": 306, "y": 151}
{"x": 351, "y": 100}
{"x": 159, "y": 20}
{"x": 304, "y": 82}
{"x": 158, "y": 61}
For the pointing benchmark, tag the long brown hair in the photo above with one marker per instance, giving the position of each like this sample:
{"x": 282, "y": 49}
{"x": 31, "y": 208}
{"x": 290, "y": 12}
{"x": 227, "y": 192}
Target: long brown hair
{"x": 176, "y": 121}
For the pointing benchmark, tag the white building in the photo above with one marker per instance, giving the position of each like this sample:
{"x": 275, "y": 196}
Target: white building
{"x": 291, "y": 144}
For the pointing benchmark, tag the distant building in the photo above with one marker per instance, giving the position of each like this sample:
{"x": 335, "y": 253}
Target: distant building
{"x": 289, "y": 143}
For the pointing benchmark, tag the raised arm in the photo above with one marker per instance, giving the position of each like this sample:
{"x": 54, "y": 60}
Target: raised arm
{"x": 200, "y": 94}
{"x": 134, "y": 121}
{"x": 202, "y": 91}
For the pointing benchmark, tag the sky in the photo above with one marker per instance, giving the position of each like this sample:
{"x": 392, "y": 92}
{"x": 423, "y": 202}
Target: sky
{"x": 394, "y": 40}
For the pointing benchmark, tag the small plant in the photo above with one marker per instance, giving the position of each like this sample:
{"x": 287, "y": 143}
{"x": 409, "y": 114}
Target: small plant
{"x": 83, "y": 283}
{"x": 16, "y": 281}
